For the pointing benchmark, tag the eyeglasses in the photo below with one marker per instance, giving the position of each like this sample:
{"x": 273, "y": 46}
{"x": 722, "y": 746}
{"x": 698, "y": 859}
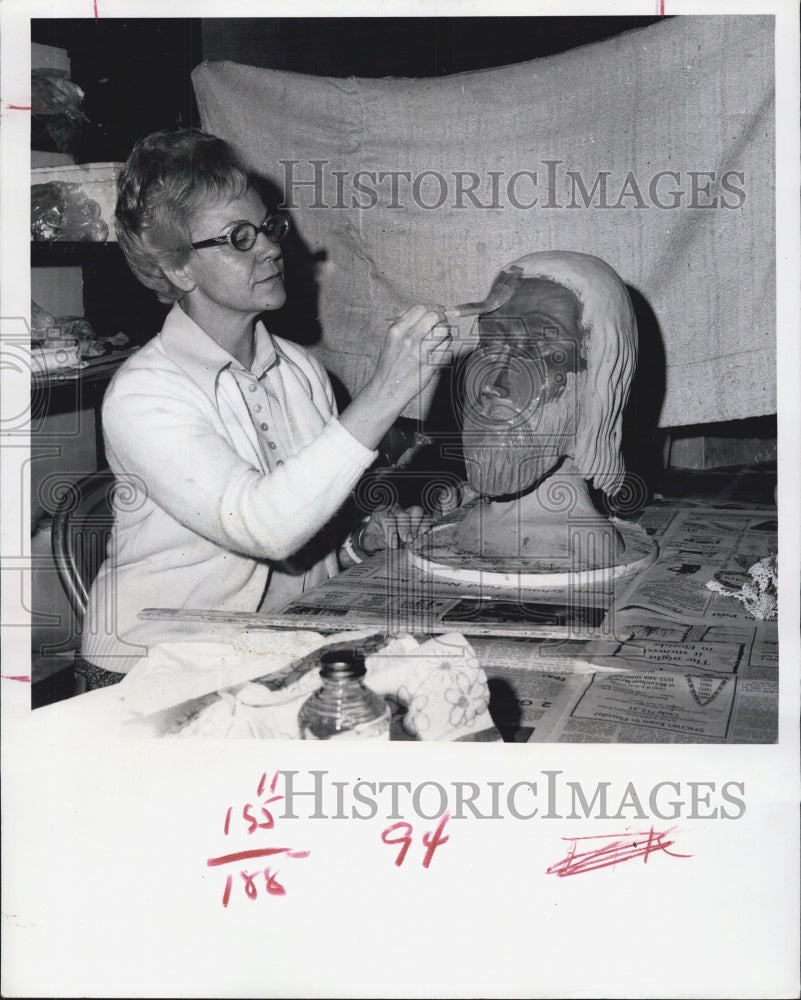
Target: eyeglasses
{"x": 242, "y": 235}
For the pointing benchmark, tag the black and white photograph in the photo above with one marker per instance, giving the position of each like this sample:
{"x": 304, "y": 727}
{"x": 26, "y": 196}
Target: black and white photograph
{"x": 421, "y": 375}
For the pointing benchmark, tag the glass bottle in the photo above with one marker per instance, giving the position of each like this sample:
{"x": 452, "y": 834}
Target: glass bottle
{"x": 344, "y": 706}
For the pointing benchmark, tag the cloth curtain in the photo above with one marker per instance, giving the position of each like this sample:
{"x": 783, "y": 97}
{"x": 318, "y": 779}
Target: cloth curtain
{"x": 653, "y": 150}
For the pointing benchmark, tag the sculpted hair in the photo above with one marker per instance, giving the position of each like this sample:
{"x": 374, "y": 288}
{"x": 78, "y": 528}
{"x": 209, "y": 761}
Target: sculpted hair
{"x": 608, "y": 318}
{"x": 167, "y": 177}
{"x": 611, "y": 361}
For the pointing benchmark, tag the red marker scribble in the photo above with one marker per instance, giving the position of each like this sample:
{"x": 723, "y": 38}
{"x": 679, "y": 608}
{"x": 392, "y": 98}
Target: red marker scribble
{"x": 17, "y": 677}
{"x": 616, "y": 849}
{"x": 18, "y": 107}
{"x": 96, "y": 13}
{"x": 660, "y": 8}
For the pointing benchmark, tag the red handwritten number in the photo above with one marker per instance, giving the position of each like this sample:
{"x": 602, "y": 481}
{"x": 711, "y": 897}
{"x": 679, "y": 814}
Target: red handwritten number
{"x": 250, "y": 886}
{"x": 263, "y": 782}
{"x": 269, "y": 821}
{"x": 273, "y": 887}
{"x": 253, "y": 823}
{"x": 433, "y": 840}
{"x": 405, "y": 839}
{"x": 227, "y": 825}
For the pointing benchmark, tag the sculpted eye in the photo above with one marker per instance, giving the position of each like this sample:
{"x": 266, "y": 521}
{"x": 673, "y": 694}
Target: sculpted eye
{"x": 518, "y": 342}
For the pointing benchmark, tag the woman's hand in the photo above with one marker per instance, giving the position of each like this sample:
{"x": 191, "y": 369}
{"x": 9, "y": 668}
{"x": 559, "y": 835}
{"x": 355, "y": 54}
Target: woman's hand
{"x": 452, "y": 497}
{"x": 390, "y": 529}
{"x": 414, "y": 349}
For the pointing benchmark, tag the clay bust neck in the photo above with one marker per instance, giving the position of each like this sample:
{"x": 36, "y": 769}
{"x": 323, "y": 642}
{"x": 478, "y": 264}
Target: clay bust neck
{"x": 555, "y": 526}
{"x": 560, "y": 495}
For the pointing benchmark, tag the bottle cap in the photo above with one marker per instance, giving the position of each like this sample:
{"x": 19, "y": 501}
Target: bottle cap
{"x": 342, "y": 664}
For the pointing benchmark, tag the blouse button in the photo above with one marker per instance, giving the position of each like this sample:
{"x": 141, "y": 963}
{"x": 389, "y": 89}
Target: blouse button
{"x": 272, "y": 445}
{"x": 280, "y": 461}
{"x": 252, "y": 387}
{"x": 257, "y": 408}
{"x": 264, "y": 427}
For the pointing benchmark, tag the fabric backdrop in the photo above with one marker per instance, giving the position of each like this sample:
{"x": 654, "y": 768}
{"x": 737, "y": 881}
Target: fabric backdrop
{"x": 421, "y": 190}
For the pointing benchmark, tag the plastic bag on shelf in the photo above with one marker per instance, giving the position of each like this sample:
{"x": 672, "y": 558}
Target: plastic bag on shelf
{"x": 90, "y": 344}
{"x": 63, "y": 211}
{"x": 41, "y": 321}
{"x": 56, "y": 113}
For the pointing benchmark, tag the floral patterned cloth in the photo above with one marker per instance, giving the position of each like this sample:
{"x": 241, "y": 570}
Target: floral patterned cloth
{"x": 439, "y": 683}
{"x": 437, "y": 691}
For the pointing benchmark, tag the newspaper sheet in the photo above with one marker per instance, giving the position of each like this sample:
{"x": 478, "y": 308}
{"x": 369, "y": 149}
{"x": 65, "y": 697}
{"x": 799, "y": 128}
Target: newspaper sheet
{"x": 660, "y": 658}
{"x": 388, "y": 591}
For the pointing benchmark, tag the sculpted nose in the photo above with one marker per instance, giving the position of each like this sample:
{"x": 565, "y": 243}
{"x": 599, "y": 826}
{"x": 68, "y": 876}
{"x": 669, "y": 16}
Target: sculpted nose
{"x": 494, "y": 390}
{"x": 496, "y": 385}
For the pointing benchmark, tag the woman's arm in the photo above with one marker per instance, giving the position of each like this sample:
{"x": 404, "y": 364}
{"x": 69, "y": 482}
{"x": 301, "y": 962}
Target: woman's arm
{"x": 158, "y": 431}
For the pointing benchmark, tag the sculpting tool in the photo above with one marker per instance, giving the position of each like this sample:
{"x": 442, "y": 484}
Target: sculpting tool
{"x": 503, "y": 288}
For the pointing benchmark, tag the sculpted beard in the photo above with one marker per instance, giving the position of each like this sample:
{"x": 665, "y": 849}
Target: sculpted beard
{"x": 502, "y": 460}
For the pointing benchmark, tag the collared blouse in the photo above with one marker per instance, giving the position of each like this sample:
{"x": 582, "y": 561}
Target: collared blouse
{"x": 222, "y": 473}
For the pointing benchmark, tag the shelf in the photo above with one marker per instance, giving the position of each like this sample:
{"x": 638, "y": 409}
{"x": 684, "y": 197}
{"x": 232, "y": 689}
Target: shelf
{"x": 45, "y": 253}
{"x": 112, "y": 298}
{"x": 95, "y": 370}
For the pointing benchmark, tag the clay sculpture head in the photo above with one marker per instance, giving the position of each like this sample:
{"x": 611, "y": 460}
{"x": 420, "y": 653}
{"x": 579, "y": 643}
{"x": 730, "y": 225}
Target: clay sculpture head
{"x": 543, "y": 399}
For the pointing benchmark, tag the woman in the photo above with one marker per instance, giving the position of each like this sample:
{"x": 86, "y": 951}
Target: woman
{"x": 225, "y": 440}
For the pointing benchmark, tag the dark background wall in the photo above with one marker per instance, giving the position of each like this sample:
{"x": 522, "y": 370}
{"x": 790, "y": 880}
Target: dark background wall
{"x": 136, "y": 73}
{"x": 401, "y": 46}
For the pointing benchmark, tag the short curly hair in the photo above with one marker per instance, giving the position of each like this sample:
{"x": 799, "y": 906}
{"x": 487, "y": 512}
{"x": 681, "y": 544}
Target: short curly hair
{"x": 167, "y": 177}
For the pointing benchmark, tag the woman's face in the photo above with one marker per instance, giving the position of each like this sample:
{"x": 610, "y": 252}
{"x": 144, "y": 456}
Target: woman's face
{"x": 233, "y": 281}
